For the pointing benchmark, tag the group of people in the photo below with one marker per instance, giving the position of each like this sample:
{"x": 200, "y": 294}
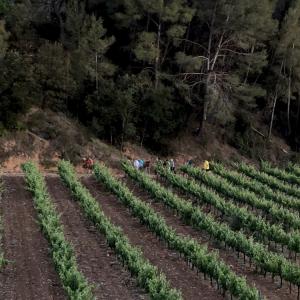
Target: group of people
{"x": 140, "y": 164}
{"x": 204, "y": 166}
{"x": 170, "y": 164}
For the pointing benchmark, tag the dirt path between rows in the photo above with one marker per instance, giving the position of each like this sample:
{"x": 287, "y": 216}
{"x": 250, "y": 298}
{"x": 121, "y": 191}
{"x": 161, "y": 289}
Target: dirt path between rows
{"x": 192, "y": 286}
{"x": 268, "y": 288}
{"x": 30, "y": 273}
{"x": 94, "y": 257}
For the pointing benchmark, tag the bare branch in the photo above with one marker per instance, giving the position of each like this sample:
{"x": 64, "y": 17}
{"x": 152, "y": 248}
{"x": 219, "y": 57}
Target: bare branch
{"x": 192, "y": 42}
{"x": 236, "y": 52}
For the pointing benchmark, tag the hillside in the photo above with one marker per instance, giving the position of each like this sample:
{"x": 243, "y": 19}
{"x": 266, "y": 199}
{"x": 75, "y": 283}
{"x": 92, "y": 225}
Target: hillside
{"x": 151, "y": 73}
{"x": 48, "y": 136}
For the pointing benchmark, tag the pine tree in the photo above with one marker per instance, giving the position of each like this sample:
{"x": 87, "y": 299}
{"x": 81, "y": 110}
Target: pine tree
{"x": 155, "y": 27}
{"x": 225, "y": 55}
{"x": 19, "y": 22}
{"x": 5, "y": 5}
{"x": 52, "y": 74}
{"x": 71, "y": 21}
{"x": 16, "y": 88}
{"x": 92, "y": 48}
{"x": 3, "y": 39}
{"x": 286, "y": 65}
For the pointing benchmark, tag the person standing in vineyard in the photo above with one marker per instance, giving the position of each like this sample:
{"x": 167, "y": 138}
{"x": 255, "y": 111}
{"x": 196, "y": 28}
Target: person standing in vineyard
{"x": 139, "y": 164}
{"x": 88, "y": 163}
{"x": 205, "y": 165}
{"x": 172, "y": 165}
{"x": 189, "y": 162}
{"x": 136, "y": 164}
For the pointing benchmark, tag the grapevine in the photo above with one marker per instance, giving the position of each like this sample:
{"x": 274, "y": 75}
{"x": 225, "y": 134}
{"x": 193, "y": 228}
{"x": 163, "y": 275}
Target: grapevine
{"x": 267, "y": 179}
{"x": 62, "y": 252}
{"x": 196, "y": 254}
{"x": 147, "y": 275}
{"x": 274, "y": 211}
{"x": 256, "y": 187}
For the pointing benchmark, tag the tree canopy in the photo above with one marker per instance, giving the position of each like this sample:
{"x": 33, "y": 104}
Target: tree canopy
{"x": 141, "y": 70}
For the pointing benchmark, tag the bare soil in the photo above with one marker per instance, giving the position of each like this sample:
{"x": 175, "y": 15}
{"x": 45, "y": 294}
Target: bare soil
{"x": 179, "y": 274}
{"x": 30, "y": 273}
{"x": 268, "y": 287}
{"x": 94, "y": 257}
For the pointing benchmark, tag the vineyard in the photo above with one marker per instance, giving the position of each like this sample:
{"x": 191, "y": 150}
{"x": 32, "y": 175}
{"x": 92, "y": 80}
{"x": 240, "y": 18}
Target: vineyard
{"x": 229, "y": 233}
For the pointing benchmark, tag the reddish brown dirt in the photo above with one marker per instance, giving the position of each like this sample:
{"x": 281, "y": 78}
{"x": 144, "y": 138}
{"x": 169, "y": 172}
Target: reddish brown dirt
{"x": 30, "y": 273}
{"x": 95, "y": 259}
{"x": 177, "y": 271}
{"x": 268, "y": 288}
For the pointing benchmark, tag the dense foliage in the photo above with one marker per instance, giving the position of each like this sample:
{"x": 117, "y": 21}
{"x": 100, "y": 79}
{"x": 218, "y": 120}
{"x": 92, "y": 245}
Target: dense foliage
{"x": 2, "y": 259}
{"x": 141, "y": 70}
{"x": 62, "y": 251}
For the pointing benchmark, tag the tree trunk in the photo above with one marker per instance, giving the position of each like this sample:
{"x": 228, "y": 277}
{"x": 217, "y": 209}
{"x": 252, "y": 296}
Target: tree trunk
{"x": 143, "y": 134}
{"x": 207, "y": 96}
{"x": 249, "y": 65}
{"x": 297, "y": 135}
{"x": 274, "y": 103}
{"x": 157, "y": 59}
{"x": 122, "y": 136}
{"x": 289, "y": 103}
{"x": 187, "y": 37}
{"x": 273, "y": 113}
{"x": 96, "y": 75}
{"x": 111, "y": 136}
{"x": 203, "y": 112}
{"x": 298, "y": 113}
{"x": 208, "y": 70}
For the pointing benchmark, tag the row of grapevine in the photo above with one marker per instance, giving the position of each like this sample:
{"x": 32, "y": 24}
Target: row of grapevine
{"x": 223, "y": 186}
{"x": 295, "y": 169}
{"x": 147, "y": 275}
{"x": 280, "y": 174}
{"x": 2, "y": 259}
{"x": 62, "y": 252}
{"x": 197, "y": 255}
{"x": 267, "y": 179}
{"x": 246, "y": 219}
{"x": 268, "y": 262}
{"x": 255, "y": 186}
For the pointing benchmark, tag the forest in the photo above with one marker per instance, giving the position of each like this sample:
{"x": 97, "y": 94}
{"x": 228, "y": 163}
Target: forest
{"x": 137, "y": 70}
